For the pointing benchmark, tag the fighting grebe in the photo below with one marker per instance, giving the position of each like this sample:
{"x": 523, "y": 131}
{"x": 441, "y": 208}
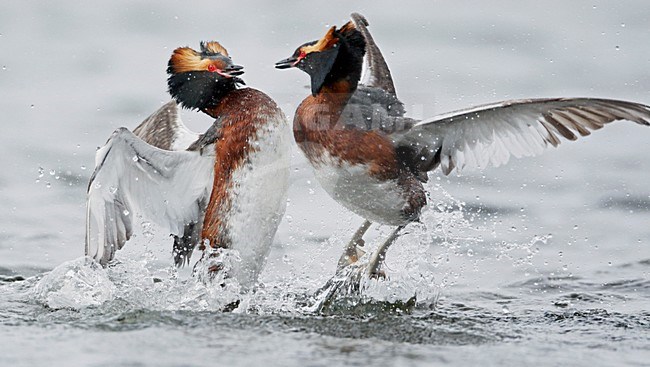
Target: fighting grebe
{"x": 373, "y": 160}
{"x": 224, "y": 189}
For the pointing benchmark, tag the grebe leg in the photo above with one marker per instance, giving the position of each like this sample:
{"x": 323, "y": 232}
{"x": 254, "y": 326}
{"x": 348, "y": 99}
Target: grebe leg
{"x": 379, "y": 256}
{"x": 352, "y": 252}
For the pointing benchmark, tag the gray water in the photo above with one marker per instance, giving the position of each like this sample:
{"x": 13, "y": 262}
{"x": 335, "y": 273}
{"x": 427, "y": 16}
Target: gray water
{"x": 543, "y": 261}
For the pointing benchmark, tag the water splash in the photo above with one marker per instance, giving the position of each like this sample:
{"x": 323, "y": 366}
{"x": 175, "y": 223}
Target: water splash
{"x": 75, "y": 284}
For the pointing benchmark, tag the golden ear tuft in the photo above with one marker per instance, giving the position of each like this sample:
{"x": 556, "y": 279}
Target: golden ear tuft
{"x": 185, "y": 59}
{"x": 325, "y": 43}
{"x": 213, "y": 47}
{"x": 347, "y": 27}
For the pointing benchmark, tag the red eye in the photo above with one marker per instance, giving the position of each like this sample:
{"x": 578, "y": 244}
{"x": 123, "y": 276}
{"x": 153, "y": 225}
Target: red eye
{"x": 302, "y": 55}
{"x": 212, "y": 68}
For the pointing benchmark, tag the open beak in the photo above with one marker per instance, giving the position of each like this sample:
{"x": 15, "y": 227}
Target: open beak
{"x": 232, "y": 70}
{"x": 286, "y": 63}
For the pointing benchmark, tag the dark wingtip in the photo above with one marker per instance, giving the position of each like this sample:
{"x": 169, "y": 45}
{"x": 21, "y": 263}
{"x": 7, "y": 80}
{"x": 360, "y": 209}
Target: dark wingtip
{"x": 380, "y": 73}
{"x": 360, "y": 19}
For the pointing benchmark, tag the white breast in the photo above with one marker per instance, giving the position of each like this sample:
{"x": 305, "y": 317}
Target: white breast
{"x": 259, "y": 198}
{"x": 352, "y": 186}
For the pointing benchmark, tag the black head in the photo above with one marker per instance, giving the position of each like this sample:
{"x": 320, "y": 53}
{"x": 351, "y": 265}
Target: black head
{"x": 198, "y": 80}
{"x": 337, "y": 55}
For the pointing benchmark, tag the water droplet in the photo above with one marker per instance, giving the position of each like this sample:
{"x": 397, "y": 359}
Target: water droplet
{"x": 125, "y": 212}
{"x": 4, "y": 67}
{"x": 52, "y": 172}
{"x": 622, "y": 25}
{"x": 575, "y": 227}
{"x": 83, "y": 168}
{"x": 505, "y": 310}
{"x": 609, "y": 263}
{"x": 617, "y": 48}
{"x": 31, "y": 106}
{"x": 470, "y": 252}
{"x": 41, "y": 171}
{"x": 135, "y": 158}
{"x": 48, "y": 185}
{"x": 286, "y": 259}
{"x": 112, "y": 189}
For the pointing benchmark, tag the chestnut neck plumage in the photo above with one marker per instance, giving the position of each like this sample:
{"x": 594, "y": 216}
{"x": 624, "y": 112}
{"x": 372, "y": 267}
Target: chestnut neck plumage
{"x": 241, "y": 113}
{"x": 322, "y": 110}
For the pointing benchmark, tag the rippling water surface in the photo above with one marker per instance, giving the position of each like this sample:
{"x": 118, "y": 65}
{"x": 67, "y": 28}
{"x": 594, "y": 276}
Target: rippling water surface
{"x": 544, "y": 261}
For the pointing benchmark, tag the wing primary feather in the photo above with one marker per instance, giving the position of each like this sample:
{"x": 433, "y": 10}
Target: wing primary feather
{"x": 164, "y": 129}
{"x": 462, "y": 139}
{"x": 377, "y": 72}
{"x": 164, "y": 187}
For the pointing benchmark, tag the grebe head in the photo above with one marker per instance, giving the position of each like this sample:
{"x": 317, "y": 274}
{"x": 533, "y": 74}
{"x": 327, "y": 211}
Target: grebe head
{"x": 337, "y": 55}
{"x": 199, "y": 80}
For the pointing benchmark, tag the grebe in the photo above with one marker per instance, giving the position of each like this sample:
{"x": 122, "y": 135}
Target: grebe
{"x": 373, "y": 160}
{"x": 223, "y": 189}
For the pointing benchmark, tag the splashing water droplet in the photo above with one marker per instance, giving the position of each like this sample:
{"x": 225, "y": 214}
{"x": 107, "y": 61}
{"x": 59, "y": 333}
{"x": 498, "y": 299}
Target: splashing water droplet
{"x": 287, "y": 259}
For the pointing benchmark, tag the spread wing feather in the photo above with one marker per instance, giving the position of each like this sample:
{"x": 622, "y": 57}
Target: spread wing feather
{"x": 490, "y": 134}
{"x": 375, "y": 69}
{"x": 165, "y": 130}
{"x": 133, "y": 178}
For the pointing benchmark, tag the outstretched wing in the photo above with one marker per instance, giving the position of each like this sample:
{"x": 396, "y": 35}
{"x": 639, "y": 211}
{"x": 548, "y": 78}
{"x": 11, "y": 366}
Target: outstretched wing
{"x": 375, "y": 70}
{"x": 132, "y": 178}
{"x": 165, "y": 130}
{"x": 374, "y": 105}
{"x": 490, "y": 134}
